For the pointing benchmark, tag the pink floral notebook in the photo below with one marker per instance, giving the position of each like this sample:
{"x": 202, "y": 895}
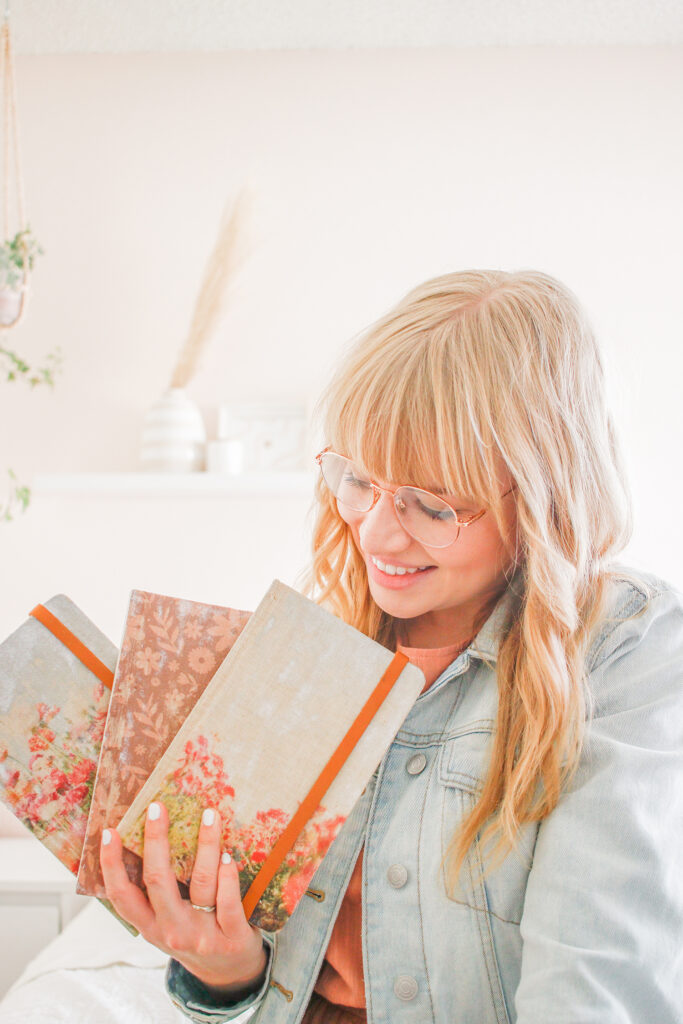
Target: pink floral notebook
{"x": 261, "y": 736}
{"x": 170, "y": 650}
{"x": 52, "y": 713}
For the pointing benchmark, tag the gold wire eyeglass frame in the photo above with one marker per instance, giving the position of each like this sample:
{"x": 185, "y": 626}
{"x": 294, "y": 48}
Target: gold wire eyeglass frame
{"x": 377, "y": 491}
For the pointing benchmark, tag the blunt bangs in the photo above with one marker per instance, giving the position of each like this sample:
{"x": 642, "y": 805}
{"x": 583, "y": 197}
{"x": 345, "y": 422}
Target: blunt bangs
{"x": 412, "y": 421}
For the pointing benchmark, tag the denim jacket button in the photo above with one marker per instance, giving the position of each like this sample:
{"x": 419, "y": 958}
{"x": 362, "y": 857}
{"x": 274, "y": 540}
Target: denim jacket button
{"x": 416, "y": 764}
{"x": 397, "y": 875}
{"x": 405, "y": 987}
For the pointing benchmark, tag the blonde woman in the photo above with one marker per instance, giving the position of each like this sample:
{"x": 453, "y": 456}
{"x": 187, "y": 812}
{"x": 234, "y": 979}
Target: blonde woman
{"x": 517, "y": 855}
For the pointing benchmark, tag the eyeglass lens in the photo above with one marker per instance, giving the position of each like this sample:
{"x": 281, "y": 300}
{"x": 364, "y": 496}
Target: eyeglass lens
{"x": 424, "y": 516}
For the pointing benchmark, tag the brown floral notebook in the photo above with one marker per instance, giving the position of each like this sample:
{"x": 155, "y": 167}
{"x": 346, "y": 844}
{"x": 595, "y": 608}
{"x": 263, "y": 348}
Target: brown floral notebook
{"x": 170, "y": 650}
{"x": 56, "y": 672}
{"x": 282, "y": 742}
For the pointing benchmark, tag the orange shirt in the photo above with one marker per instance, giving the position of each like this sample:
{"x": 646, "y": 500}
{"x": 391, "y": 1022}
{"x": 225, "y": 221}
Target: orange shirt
{"x": 340, "y": 981}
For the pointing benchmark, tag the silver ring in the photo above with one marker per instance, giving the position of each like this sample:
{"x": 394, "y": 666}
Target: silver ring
{"x": 209, "y": 910}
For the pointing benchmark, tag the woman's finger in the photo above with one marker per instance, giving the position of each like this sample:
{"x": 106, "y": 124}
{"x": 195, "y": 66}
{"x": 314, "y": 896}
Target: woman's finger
{"x": 229, "y": 910}
{"x": 204, "y": 881}
{"x": 157, "y": 873}
{"x": 127, "y": 899}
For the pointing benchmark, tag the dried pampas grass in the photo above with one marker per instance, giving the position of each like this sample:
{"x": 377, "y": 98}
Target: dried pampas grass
{"x": 226, "y": 258}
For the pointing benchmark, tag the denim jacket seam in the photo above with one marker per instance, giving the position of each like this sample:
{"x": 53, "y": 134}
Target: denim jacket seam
{"x": 404, "y": 738}
{"x": 600, "y": 652}
{"x": 432, "y": 770}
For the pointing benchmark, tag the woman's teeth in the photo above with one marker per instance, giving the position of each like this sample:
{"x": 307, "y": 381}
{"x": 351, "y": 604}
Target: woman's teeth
{"x": 396, "y": 570}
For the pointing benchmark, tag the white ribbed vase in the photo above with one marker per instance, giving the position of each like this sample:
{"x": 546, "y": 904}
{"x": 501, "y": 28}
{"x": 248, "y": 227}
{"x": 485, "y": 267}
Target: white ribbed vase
{"x": 173, "y": 435}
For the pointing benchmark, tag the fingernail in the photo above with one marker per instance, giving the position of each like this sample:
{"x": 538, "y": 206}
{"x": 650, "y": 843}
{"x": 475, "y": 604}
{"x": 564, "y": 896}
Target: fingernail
{"x": 153, "y": 811}
{"x": 226, "y": 858}
{"x": 106, "y": 837}
{"x": 208, "y": 817}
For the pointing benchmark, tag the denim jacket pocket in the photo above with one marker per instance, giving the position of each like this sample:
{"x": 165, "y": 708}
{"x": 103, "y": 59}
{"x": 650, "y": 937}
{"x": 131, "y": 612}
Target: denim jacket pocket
{"x": 464, "y": 758}
{"x": 499, "y": 892}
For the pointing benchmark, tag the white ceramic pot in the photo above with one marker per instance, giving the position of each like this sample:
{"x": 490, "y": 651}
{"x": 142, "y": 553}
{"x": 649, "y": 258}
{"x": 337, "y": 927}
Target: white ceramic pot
{"x": 173, "y": 435}
{"x": 10, "y": 305}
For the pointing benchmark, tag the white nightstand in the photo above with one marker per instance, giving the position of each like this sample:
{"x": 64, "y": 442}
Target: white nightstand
{"x": 37, "y": 898}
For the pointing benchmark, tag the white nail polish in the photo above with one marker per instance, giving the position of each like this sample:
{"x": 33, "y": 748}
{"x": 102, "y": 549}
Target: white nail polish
{"x": 106, "y": 837}
{"x": 153, "y": 812}
{"x": 208, "y": 817}
{"x": 226, "y": 858}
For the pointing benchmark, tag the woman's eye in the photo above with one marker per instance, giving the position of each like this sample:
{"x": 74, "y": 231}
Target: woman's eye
{"x": 354, "y": 481}
{"x": 436, "y": 513}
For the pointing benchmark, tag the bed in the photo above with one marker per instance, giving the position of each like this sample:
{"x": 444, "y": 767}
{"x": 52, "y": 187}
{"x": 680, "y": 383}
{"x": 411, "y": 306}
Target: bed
{"x": 93, "y": 972}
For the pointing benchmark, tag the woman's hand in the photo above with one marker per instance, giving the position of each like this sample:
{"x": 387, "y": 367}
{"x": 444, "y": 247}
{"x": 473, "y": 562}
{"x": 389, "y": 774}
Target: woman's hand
{"x": 220, "y": 948}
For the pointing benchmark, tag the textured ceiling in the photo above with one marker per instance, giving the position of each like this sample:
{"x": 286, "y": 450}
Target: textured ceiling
{"x": 134, "y": 26}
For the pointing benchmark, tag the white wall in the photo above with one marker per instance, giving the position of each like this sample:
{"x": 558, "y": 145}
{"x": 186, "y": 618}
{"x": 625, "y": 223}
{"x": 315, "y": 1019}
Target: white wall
{"x": 372, "y": 171}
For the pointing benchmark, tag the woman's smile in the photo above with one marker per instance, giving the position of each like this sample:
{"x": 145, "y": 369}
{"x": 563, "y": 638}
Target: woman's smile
{"x": 399, "y": 576}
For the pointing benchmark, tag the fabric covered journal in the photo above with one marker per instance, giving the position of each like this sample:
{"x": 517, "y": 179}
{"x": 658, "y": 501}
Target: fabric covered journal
{"x": 276, "y": 719}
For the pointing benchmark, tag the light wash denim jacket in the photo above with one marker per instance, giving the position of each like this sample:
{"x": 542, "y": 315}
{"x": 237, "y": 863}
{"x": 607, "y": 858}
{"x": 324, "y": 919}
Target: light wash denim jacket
{"x": 591, "y": 933}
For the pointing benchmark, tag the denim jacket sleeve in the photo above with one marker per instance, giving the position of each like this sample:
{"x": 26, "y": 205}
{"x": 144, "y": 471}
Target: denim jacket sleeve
{"x": 194, "y": 1000}
{"x": 602, "y": 925}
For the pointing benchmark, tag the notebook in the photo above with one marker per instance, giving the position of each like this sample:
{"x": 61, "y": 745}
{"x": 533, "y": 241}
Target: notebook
{"x": 282, "y": 742}
{"x": 170, "y": 650}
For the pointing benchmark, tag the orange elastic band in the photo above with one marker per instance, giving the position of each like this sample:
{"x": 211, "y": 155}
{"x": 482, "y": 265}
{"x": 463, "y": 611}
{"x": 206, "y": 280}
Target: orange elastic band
{"x": 71, "y": 641}
{"x": 311, "y": 801}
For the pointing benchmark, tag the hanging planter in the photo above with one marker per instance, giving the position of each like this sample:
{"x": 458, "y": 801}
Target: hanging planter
{"x": 16, "y": 260}
{"x": 18, "y": 251}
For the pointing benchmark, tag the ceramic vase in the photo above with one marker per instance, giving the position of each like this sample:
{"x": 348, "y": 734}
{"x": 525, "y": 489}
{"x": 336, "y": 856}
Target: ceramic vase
{"x": 173, "y": 435}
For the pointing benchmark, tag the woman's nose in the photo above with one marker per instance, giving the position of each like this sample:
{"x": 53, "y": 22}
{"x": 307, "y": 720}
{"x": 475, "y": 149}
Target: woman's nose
{"x": 380, "y": 531}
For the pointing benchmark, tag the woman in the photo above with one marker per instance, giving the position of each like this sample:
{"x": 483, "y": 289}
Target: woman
{"x": 516, "y": 855}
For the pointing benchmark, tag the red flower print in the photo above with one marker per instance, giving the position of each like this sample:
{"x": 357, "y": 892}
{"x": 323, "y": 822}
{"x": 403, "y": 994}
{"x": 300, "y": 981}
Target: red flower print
{"x": 56, "y": 780}
{"x": 201, "y": 660}
{"x": 148, "y": 661}
{"x": 77, "y": 795}
{"x": 81, "y": 771}
{"x": 293, "y": 890}
{"x": 41, "y": 739}
{"x": 45, "y": 712}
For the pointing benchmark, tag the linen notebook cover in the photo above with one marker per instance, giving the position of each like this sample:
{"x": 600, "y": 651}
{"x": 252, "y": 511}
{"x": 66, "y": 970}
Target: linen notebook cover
{"x": 170, "y": 650}
{"x": 262, "y": 737}
{"x": 52, "y": 713}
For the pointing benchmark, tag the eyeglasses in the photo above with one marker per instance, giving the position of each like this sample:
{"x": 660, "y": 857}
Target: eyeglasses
{"x": 427, "y": 518}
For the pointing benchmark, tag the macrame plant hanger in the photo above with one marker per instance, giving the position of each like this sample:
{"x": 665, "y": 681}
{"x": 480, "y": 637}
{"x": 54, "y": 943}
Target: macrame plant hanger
{"x": 11, "y": 156}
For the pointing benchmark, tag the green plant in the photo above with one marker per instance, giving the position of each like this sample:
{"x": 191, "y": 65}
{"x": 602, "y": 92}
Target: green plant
{"x": 19, "y": 497}
{"x": 17, "y": 369}
{"x": 16, "y": 256}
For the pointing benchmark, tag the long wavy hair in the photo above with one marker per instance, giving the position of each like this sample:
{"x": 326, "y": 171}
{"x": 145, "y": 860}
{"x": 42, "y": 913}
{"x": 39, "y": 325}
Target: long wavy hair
{"x": 470, "y": 368}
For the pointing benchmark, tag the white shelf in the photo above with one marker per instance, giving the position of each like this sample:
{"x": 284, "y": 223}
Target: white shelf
{"x": 26, "y": 866}
{"x": 246, "y": 485}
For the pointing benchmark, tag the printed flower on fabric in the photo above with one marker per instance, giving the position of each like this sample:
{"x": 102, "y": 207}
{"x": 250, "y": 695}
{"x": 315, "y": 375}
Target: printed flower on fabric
{"x": 148, "y": 661}
{"x": 224, "y": 632}
{"x": 201, "y": 660}
{"x": 192, "y": 629}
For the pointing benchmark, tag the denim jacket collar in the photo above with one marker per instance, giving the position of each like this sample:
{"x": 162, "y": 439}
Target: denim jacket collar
{"x": 487, "y": 641}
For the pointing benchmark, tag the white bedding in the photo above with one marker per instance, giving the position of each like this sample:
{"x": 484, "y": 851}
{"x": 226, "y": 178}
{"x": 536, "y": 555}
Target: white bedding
{"x": 94, "y": 972}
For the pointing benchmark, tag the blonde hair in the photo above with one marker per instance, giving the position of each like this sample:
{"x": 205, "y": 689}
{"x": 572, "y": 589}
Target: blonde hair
{"x": 468, "y": 369}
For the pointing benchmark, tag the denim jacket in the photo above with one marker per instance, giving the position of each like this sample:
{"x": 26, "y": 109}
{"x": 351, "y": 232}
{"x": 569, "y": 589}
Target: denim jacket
{"x": 584, "y": 924}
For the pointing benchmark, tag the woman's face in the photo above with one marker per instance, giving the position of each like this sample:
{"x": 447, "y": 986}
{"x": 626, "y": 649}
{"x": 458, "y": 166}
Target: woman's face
{"x": 451, "y": 600}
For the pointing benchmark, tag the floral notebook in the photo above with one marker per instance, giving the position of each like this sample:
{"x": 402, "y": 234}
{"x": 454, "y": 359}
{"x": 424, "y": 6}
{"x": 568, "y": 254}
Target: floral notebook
{"x": 262, "y": 737}
{"x": 170, "y": 650}
{"x": 53, "y": 707}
